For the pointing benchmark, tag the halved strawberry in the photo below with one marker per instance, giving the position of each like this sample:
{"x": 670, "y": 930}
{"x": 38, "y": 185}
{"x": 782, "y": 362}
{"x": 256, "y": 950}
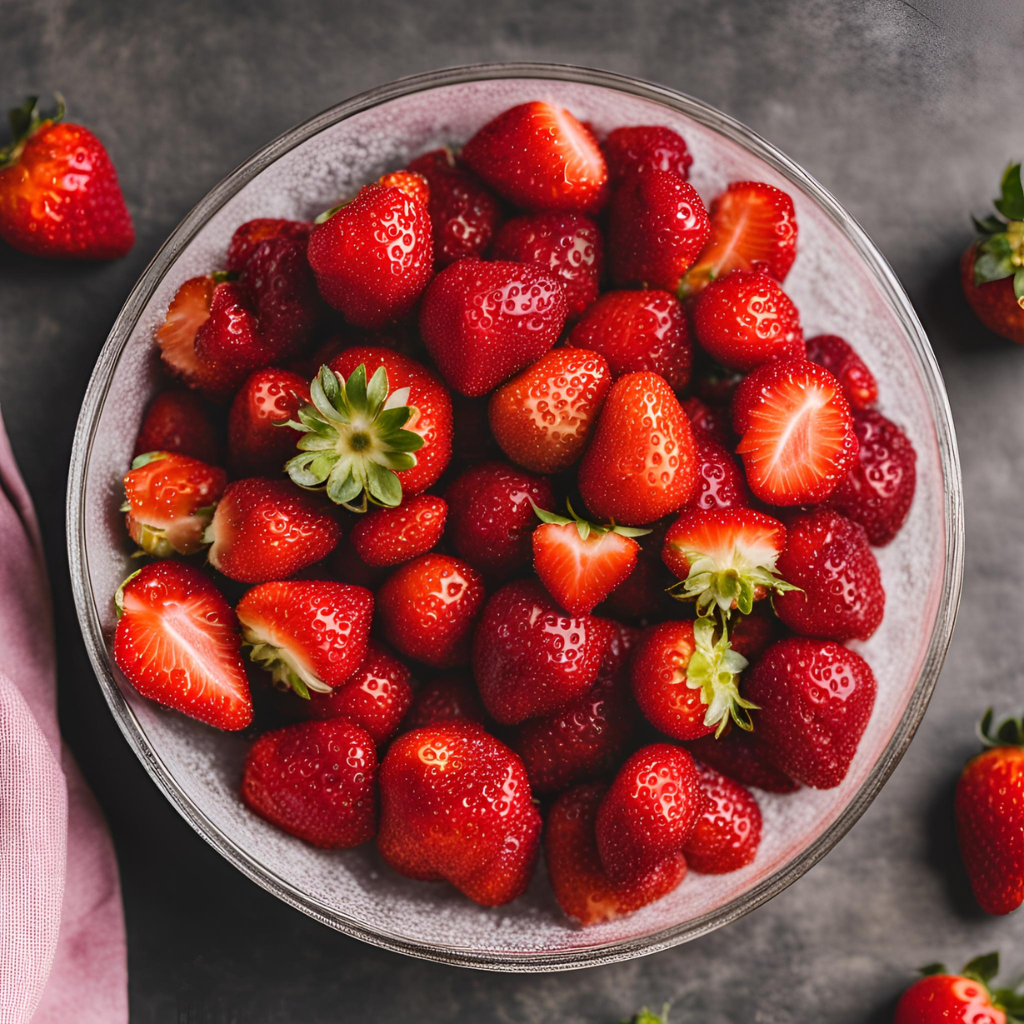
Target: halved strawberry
{"x": 797, "y": 436}
{"x": 753, "y": 227}
{"x": 169, "y": 502}
{"x": 176, "y": 337}
{"x": 580, "y": 563}
{"x": 725, "y": 557}
{"x": 177, "y": 643}
{"x": 413, "y": 184}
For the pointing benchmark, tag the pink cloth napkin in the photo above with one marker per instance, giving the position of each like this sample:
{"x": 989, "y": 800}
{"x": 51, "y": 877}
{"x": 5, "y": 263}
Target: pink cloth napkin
{"x": 62, "y": 945}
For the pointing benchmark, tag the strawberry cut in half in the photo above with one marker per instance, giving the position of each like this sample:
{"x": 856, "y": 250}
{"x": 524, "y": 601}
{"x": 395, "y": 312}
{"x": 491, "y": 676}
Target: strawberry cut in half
{"x": 797, "y": 436}
{"x": 177, "y": 643}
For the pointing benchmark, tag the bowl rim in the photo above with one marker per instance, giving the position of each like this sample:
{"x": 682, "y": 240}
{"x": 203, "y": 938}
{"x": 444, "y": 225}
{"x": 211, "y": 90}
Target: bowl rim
{"x": 87, "y": 607}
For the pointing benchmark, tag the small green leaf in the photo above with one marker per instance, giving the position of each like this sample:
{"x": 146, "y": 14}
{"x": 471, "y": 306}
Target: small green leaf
{"x": 1011, "y": 203}
{"x": 990, "y": 225}
{"x": 1018, "y": 285}
{"x": 146, "y": 458}
{"x": 982, "y": 968}
{"x": 405, "y": 441}
{"x": 328, "y": 214}
{"x": 342, "y": 485}
{"x": 990, "y": 266}
{"x": 549, "y": 517}
{"x": 383, "y": 485}
{"x": 355, "y": 387}
{"x": 297, "y": 468}
{"x": 376, "y": 391}
{"x": 929, "y": 970}
{"x": 396, "y": 461}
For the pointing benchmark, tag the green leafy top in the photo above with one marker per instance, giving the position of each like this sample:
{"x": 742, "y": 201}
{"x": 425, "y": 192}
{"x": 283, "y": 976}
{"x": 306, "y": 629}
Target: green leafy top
{"x": 646, "y": 1016}
{"x": 25, "y": 121}
{"x": 713, "y": 669}
{"x": 354, "y": 443}
{"x": 713, "y": 586}
{"x": 584, "y": 526}
{"x": 1007, "y": 733}
{"x": 1000, "y": 252}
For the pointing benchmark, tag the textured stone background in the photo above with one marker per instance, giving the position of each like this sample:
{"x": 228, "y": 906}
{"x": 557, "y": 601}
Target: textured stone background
{"x": 907, "y": 112}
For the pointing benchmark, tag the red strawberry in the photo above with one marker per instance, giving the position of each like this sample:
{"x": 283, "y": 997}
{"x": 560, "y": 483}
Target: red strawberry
{"x": 685, "y": 680}
{"x": 990, "y": 817}
{"x": 169, "y": 501}
{"x": 751, "y": 635}
{"x": 836, "y": 355}
{"x": 796, "y": 432}
{"x": 994, "y": 303}
{"x": 582, "y": 888}
{"x": 315, "y": 780}
{"x": 529, "y": 658}
{"x": 491, "y": 516}
{"x": 567, "y": 245}
{"x": 713, "y": 420}
{"x": 427, "y": 397}
{"x": 656, "y": 229}
{"x": 427, "y": 607}
{"x": 455, "y": 805}
{"x": 269, "y": 530}
{"x": 309, "y": 634}
{"x": 638, "y": 330}
{"x": 753, "y": 227}
{"x": 59, "y": 194}
{"x": 645, "y": 148}
{"x": 649, "y": 811}
{"x": 414, "y": 185}
{"x": 720, "y": 482}
{"x": 177, "y": 421}
{"x": 840, "y": 595}
{"x": 726, "y": 557}
{"x": 585, "y": 738}
{"x": 736, "y": 754}
{"x": 579, "y": 563}
{"x": 642, "y": 461}
{"x": 249, "y": 235}
{"x": 540, "y": 157}
{"x": 942, "y": 998}
{"x": 258, "y": 442}
{"x": 879, "y": 488}
{"x": 728, "y": 833}
{"x": 375, "y": 696}
{"x": 463, "y": 213}
{"x": 643, "y": 595}
{"x": 483, "y": 322}
{"x": 543, "y": 418}
{"x": 815, "y": 698}
{"x": 177, "y": 643}
{"x": 373, "y": 257}
{"x": 390, "y": 536}
{"x": 448, "y": 698}
{"x": 745, "y": 319}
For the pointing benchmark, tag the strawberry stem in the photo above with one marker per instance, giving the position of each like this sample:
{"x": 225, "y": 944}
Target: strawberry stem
{"x": 25, "y": 121}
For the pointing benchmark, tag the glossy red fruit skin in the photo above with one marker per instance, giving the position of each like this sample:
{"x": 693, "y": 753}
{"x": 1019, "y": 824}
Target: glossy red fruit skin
{"x": 839, "y": 358}
{"x": 256, "y": 443}
{"x": 543, "y": 417}
{"x": 736, "y": 754}
{"x": 228, "y": 345}
{"x": 651, "y": 809}
{"x": 269, "y": 530}
{"x": 315, "y": 780}
{"x": 879, "y": 488}
{"x": 645, "y": 148}
{"x": 390, "y": 536}
{"x": 990, "y": 824}
{"x": 713, "y": 420}
{"x": 815, "y": 698}
{"x": 841, "y": 595}
{"x": 581, "y": 887}
{"x": 586, "y": 738}
{"x": 566, "y": 245}
{"x": 432, "y": 419}
{"x": 947, "y": 999}
{"x": 642, "y": 595}
{"x": 642, "y": 461}
{"x": 249, "y": 235}
{"x": 376, "y": 696}
{"x": 177, "y": 421}
{"x": 720, "y": 481}
{"x": 455, "y": 804}
{"x": 449, "y": 698}
{"x": 61, "y": 198}
{"x": 529, "y": 657}
{"x": 993, "y": 303}
{"x": 745, "y": 319}
{"x": 728, "y": 833}
{"x": 484, "y": 321}
{"x": 638, "y": 330}
{"x": 464, "y": 214}
{"x": 656, "y": 229}
{"x": 751, "y": 635}
{"x": 520, "y": 155}
{"x": 374, "y": 257}
{"x": 490, "y": 518}
{"x": 427, "y": 607}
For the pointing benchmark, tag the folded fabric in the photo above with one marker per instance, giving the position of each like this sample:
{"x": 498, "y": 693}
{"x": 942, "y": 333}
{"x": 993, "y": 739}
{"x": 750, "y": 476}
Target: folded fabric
{"x": 62, "y": 943}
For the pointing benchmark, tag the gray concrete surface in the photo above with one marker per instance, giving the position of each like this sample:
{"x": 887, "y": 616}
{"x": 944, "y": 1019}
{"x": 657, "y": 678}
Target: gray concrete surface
{"x": 907, "y": 112}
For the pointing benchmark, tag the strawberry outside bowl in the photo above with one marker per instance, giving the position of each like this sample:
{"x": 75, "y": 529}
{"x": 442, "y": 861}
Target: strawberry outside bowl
{"x": 840, "y": 282}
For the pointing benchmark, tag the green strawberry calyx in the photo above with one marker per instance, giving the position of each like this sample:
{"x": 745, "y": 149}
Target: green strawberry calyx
{"x": 354, "y": 442}
{"x": 583, "y": 526}
{"x": 714, "y": 669}
{"x": 25, "y": 121}
{"x": 1007, "y": 733}
{"x": 727, "y": 586}
{"x": 286, "y": 672}
{"x": 1000, "y": 252}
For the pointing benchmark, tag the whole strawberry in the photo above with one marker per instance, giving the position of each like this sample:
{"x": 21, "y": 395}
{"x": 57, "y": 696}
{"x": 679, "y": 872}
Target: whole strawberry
{"x": 645, "y": 148}
{"x": 990, "y": 817}
{"x": 390, "y": 536}
{"x": 943, "y": 998}
{"x": 259, "y": 442}
{"x": 178, "y": 421}
{"x": 59, "y": 194}
{"x": 720, "y": 481}
{"x": 728, "y": 833}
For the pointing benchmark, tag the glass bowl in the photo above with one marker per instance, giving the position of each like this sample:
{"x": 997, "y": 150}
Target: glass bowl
{"x": 841, "y": 283}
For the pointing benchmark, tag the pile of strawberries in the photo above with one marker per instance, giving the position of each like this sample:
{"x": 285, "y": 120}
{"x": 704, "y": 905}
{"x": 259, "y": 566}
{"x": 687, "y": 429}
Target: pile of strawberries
{"x": 536, "y": 507}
